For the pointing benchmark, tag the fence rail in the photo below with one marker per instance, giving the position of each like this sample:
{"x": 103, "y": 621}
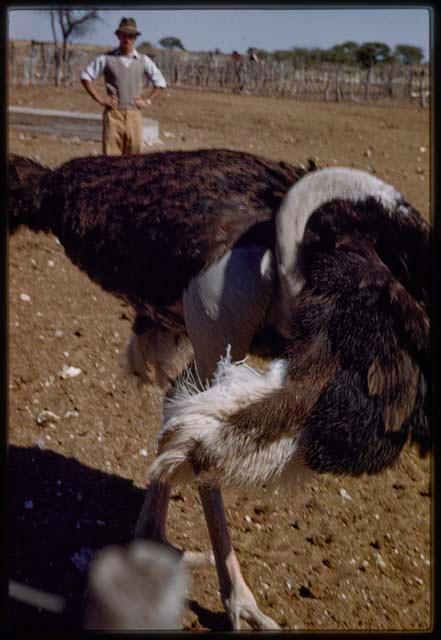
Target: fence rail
{"x": 41, "y": 63}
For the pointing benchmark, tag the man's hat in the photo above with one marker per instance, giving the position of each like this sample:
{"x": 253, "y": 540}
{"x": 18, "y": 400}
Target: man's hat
{"x": 128, "y": 25}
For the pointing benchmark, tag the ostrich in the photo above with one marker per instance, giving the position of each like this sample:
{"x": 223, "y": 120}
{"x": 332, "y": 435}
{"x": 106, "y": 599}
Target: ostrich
{"x": 143, "y": 228}
{"x": 352, "y": 387}
{"x": 218, "y": 249}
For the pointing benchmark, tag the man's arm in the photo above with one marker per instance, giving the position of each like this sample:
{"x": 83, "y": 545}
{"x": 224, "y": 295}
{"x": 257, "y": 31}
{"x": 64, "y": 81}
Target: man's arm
{"x": 106, "y": 101}
{"x": 159, "y": 84}
{"x": 142, "y": 103}
{"x": 89, "y": 75}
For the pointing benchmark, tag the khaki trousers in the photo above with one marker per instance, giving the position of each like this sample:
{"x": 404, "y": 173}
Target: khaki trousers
{"x": 122, "y": 131}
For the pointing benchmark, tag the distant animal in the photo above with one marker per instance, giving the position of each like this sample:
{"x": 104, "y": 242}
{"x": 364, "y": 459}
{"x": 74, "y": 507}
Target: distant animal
{"x": 220, "y": 250}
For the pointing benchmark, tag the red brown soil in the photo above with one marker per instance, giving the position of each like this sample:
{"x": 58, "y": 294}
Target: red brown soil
{"x": 340, "y": 554}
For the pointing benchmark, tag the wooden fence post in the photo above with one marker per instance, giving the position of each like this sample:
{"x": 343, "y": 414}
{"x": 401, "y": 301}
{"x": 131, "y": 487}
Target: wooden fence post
{"x": 368, "y": 84}
{"x": 337, "y": 84}
{"x": 327, "y": 87}
{"x": 57, "y": 62}
{"x": 389, "y": 86}
{"x": 12, "y": 63}
{"x": 423, "y": 101}
{"x": 409, "y": 84}
{"x": 47, "y": 65}
{"x": 351, "y": 87}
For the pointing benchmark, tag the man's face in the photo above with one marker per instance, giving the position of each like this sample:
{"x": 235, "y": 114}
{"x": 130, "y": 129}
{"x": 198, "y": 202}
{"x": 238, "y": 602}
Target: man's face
{"x": 126, "y": 42}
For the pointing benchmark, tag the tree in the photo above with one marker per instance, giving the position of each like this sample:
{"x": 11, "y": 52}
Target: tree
{"x": 282, "y": 54}
{"x": 263, "y": 54}
{"x": 72, "y": 23}
{"x": 344, "y": 53}
{"x": 300, "y": 54}
{"x": 370, "y": 54}
{"x": 145, "y": 47}
{"x": 67, "y": 24}
{"x": 171, "y": 43}
{"x": 408, "y": 54}
{"x": 314, "y": 55}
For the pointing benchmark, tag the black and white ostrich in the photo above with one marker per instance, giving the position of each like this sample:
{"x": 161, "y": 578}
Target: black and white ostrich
{"x": 222, "y": 252}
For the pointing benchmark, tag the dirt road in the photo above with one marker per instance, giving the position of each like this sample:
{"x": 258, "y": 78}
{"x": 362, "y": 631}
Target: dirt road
{"x": 340, "y": 554}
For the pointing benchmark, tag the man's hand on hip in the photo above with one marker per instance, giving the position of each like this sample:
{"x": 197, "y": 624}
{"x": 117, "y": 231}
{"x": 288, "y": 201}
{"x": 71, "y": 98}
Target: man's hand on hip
{"x": 141, "y": 103}
{"x": 110, "y": 101}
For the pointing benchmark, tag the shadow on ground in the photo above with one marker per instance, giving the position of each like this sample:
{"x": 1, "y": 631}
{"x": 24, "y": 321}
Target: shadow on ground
{"x": 60, "y": 513}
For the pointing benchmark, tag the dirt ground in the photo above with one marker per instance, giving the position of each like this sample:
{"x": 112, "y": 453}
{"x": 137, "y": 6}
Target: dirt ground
{"x": 340, "y": 554}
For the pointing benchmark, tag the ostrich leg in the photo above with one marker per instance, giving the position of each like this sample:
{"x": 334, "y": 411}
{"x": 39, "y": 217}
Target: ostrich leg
{"x": 237, "y": 597}
{"x": 151, "y": 524}
{"x": 153, "y": 515}
{"x": 223, "y": 307}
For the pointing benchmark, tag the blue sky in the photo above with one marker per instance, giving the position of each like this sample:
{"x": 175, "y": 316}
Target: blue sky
{"x": 228, "y": 29}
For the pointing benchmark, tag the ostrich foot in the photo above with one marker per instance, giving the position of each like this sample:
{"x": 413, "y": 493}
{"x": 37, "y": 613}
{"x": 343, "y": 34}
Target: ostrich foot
{"x": 241, "y": 605}
{"x": 196, "y": 559}
{"x": 151, "y": 526}
{"x": 190, "y": 559}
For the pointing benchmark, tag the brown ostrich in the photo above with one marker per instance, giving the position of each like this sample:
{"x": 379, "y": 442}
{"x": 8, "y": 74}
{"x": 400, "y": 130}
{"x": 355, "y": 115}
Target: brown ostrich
{"x": 222, "y": 252}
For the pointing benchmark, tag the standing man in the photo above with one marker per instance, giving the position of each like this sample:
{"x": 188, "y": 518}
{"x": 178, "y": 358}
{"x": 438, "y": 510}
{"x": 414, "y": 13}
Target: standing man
{"x": 125, "y": 72}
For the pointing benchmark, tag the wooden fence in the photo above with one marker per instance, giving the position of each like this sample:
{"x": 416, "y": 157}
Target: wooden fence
{"x": 41, "y": 63}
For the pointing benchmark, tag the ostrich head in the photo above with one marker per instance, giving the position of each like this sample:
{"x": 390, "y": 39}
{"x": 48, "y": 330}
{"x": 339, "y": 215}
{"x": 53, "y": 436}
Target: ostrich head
{"x": 157, "y": 355}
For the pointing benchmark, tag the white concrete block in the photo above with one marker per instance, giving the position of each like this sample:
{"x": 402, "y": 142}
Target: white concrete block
{"x": 87, "y": 126}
